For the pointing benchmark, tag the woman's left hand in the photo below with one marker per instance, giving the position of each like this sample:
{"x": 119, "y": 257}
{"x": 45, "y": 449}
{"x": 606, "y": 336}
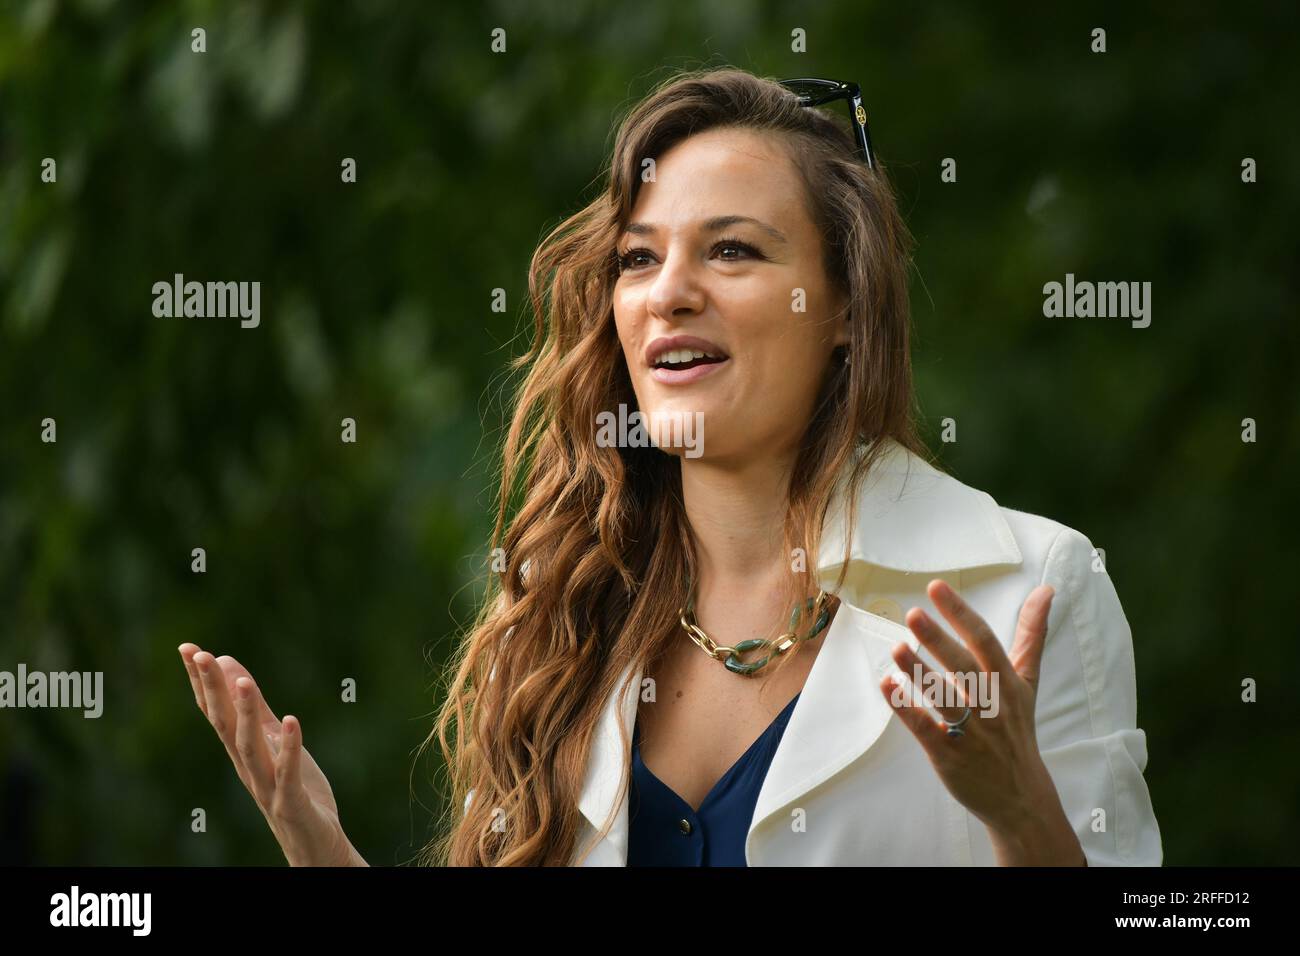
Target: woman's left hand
{"x": 994, "y": 769}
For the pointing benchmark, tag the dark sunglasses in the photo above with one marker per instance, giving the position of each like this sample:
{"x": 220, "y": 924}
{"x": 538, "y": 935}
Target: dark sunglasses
{"x": 816, "y": 92}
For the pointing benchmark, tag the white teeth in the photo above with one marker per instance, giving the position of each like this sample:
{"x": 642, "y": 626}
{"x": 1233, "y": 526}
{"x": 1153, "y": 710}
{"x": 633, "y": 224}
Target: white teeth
{"x": 678, "y": 356}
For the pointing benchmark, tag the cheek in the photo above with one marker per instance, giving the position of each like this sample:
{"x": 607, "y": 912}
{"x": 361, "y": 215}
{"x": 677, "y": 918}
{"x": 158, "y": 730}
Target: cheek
{"x": 782, "y": 305}
{"x": 624, "y": 325}
{"x": 629, "y": 307}
{"x": 781, "y": 369}
{"x": 781, "y": 342}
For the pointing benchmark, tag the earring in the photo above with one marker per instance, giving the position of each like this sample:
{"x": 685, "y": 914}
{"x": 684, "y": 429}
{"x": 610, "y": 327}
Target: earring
{"x": 848, "y": 356}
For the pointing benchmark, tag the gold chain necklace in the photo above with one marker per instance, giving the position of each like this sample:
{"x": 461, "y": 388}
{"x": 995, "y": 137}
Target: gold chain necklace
{"x": 730, "y": 655}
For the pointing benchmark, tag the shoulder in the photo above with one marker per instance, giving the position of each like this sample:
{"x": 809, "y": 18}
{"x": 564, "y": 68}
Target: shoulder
{"x": 1047, "y": 544}
{"x": 1089, "y": 640}
{"x": 1065, "y": 558}
{"x": 1086, "y": 611}
{"x": 1086, "y": 604}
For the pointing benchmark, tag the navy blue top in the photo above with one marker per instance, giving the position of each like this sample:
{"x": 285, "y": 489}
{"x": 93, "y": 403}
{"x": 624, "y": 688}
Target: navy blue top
{"x": 665, "y": 831}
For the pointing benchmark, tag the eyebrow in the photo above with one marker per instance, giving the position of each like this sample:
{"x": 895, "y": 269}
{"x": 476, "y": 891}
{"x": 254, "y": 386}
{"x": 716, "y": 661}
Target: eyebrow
{"x": 716, "y": 224}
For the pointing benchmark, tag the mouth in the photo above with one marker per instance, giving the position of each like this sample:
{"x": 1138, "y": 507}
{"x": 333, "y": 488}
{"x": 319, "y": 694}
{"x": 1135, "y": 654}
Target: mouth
{"x": 678, "y": 359}
{"x": 683, "y": 352}
{"x": 680, "y": 373}
{"x": 681, "y": 362}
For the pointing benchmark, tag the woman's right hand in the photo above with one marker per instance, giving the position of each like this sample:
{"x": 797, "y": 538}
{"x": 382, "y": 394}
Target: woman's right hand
{"x": 288, "y": 786}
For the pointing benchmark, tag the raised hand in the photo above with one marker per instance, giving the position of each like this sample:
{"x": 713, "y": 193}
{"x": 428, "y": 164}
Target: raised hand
{"x": 271, "y": 761}
{"x": 993, "y": 767}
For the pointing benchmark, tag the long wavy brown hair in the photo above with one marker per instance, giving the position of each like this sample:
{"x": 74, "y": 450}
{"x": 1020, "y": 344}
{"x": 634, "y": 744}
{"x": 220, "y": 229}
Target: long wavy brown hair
{"x": 598, "y": 553}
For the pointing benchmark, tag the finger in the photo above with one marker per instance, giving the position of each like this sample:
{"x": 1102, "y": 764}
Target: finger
{"x": 970, "y": 626}
{"x": 250, "y": 741}
{"x": 1031, "y": 633}
{"x": 221, "y": 711}
{"x": 288, "y": 765}
{"x": 235, "y": 670}
{"x": 947, "y": 650}
{"x": 196, "y": 684}
{"x": 930, "y": 733}
{"x": 949, "y": 699}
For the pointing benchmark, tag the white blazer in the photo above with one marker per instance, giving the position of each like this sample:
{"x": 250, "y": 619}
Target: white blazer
{"x": 849, "y": 785}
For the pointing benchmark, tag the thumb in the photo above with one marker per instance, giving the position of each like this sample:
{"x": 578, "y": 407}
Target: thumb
{"x": 1031, "y": 633}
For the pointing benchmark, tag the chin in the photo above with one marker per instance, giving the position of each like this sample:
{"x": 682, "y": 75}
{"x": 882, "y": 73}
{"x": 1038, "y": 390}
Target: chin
{"x": 678, "y": 431}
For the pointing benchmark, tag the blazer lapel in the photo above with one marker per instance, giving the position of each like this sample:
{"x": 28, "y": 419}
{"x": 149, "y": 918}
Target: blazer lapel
{"x": 841, "y": 711}
{"x": 605, "y": 771}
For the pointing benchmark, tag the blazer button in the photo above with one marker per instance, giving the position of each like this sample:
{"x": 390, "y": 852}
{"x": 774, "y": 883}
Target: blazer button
{"x": 884, "y": 607}
{"x": 684, "y": 826}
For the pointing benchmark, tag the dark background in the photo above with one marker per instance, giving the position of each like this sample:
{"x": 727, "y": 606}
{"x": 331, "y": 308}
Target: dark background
{"x": 329, "y": 560}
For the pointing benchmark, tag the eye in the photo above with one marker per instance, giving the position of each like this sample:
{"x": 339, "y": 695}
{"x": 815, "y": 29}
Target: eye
{"x": 627, "y": 261}
{"x": 744, "y": 247}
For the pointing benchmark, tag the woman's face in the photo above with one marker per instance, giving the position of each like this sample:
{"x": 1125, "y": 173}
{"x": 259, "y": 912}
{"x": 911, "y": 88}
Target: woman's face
{"x": 722, "y": 248}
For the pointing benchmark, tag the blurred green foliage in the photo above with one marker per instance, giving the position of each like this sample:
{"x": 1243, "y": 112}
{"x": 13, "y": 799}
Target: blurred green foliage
{"x": 328, "y": 560}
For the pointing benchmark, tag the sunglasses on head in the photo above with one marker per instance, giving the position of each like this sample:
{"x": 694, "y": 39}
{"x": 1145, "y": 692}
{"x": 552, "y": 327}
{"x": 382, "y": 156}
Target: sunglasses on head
{"x": 816, "y": 92}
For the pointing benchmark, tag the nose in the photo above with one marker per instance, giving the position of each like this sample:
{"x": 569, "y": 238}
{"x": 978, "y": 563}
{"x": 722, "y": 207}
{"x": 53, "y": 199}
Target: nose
{"x": 676, "y": 290}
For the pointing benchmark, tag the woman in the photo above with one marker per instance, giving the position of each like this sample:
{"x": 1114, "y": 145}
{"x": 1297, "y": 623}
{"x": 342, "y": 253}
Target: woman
{"x": 742, "y": 285}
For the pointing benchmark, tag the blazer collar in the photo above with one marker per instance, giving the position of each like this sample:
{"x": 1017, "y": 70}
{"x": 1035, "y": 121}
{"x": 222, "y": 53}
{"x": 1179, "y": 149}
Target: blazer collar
{"x": 912, "y": 517}
{"x": 909, "y": 517}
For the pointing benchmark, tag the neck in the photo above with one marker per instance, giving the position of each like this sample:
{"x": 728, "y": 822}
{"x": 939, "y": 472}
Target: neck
{"x": 737, "y": 514}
